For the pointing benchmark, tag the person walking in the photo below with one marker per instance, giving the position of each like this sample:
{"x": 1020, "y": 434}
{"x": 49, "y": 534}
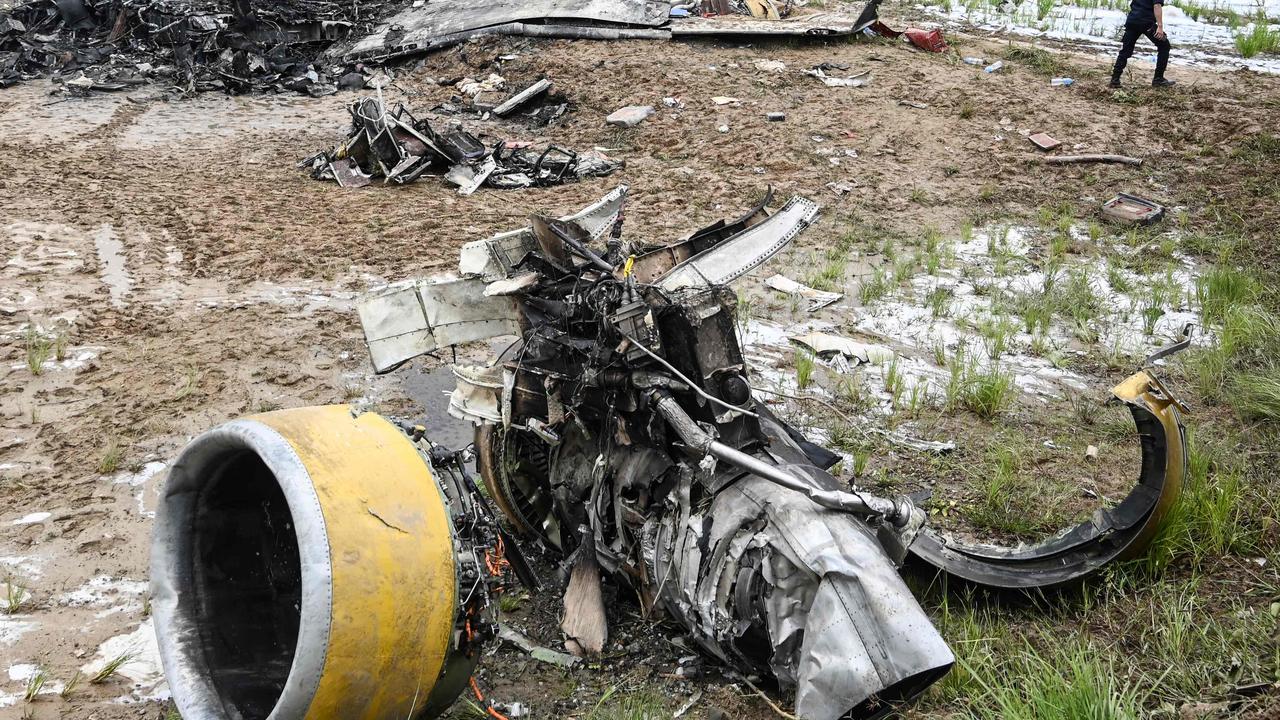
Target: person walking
{"x": 1146, "y": 17}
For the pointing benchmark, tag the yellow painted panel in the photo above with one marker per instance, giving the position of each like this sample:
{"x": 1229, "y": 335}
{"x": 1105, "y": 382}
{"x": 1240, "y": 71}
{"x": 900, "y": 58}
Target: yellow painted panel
{"x": 1137, "y": 389}
{"x": 394, "y": 585}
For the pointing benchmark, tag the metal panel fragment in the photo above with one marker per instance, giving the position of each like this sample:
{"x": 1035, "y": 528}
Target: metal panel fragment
{"x": 737, "y": 255}
{"x": 444, "y": 22}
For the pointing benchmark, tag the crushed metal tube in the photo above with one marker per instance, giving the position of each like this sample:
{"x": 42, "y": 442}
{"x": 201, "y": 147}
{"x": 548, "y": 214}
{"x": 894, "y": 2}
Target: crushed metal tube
{"x": 396, "y": 147}
{"x": 619, "y": 431}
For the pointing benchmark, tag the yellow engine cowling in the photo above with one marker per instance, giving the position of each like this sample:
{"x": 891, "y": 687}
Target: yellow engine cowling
{"x": 305, "y": 567}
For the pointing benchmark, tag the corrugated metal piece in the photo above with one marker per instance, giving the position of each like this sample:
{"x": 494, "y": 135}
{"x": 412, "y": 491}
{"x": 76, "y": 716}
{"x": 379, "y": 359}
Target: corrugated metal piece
{"x": 739, "y": 254}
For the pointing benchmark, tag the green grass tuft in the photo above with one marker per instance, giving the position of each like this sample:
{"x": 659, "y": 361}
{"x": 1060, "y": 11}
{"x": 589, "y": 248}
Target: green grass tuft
{"x": 987, "y": 393}
{"x": 1259, "y": 38}
{"x": 804, "y": 368}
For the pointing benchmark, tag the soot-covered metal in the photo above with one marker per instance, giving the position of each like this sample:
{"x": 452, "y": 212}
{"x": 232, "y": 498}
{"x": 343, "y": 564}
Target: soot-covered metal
{"x": 619, "y": 428}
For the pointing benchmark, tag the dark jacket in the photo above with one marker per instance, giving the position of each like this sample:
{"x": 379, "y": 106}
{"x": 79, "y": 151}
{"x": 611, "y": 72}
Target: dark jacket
{"x": 1142, "y": 13}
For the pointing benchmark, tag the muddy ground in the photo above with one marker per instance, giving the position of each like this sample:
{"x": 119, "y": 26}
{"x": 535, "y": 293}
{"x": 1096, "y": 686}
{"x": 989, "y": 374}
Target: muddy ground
{"x": 190, "y": 274}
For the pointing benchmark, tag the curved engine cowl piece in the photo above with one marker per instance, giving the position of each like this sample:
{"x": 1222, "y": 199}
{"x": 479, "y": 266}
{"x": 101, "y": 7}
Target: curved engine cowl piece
{"x": 1118, "y": 533}
{"x": 305, "y": 567}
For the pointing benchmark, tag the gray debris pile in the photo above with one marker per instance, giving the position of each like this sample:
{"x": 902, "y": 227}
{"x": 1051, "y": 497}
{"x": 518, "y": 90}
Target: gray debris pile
{"x": 619, "y": 429}
{"x": 398, "y": 148}
{"x": 424, "y": 27}
{"x": 186, "y": 45}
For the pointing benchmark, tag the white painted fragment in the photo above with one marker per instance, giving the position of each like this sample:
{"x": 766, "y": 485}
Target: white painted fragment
{"x": 33, "y": 518}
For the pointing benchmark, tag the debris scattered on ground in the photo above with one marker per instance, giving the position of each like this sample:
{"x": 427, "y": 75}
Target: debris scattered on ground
{"x": 688, "y": 705}
{"x": 818, "y": 299}
{"x": 928, "y": 40}
{"x": 1100, "y": 158}
{"x": 826, "y": 345}
{"x": 858, "y": 80}
{"x": 425, "y": 27}
{"x": 1091, "y": 453}
{"x": 773, "y": 66}
{"x": 775, "y": 116}
{"x": 1132, "y": 210}
{"x": 974, "y": 61}
{"x": 396, "y": 147}
{"x": 516, "y": 101}
{"x": 185, "y": 45}
{"x": 724, "y": 100}
{"x": 1062, "y": 81}
{"x": 913, "y": 104}
{"x": 1044, "y": 141}
{"x": 993, "y": 67}
{"x": 534, "y": 650}
{"x": 630, "y": 116}
{"x": 839, "y": 188}
{"x": 320, "y": 46}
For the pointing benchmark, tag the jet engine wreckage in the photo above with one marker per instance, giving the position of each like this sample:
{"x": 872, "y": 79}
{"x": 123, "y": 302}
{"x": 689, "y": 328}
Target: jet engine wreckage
{"x": 330, "y": 563}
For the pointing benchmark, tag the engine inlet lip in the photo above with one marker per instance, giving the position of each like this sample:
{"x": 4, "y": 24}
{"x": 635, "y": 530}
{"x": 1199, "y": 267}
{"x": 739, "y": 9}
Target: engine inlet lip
{"x": 176, "y": 622}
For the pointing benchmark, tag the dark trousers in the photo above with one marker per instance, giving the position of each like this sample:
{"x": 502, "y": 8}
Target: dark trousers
{"x": 1131, "y": 33}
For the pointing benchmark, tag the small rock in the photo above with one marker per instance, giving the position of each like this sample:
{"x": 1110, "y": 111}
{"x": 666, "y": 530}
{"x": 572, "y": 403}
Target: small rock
{"x": 351, "y": 81}
{"x": 723, "y": 128}
{"x": 630, "y": 116}
{"x": 775, "y": 66}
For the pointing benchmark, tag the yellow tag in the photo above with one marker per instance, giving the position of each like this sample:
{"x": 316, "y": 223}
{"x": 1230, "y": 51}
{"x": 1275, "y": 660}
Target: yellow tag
{"x": 626, "y": 269}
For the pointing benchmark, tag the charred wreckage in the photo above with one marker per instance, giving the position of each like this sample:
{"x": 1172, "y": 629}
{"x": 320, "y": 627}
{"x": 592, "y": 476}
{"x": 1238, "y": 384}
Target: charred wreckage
{"x": 317, "y": 47}
{"x": 327, "y": 562}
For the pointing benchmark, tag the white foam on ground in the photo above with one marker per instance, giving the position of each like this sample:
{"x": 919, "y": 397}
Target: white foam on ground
{"x": 33, "y": 518}
{"x": 1196, "y": 42}
{"x": 142, "y": 667}
{"x": 13, "y": 627}
{"x": 147, "y": 472}
{"x": 1037, "y": 363}
{"x": 110, "y": 595}
{"x": 27, "y": 567}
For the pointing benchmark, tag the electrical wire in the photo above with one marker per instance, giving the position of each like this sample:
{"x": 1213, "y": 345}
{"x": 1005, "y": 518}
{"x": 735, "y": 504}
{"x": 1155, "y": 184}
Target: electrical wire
{"x": 690, "y": 383}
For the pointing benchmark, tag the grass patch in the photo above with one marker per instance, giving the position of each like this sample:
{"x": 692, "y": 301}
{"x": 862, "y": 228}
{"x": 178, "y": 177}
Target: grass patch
{"x": 875, "y": 287}
{"x": 1218, "y": 513}
{"x": 35, "y": 684}
{"x": 1259, "y": 38}
{"x": 40, "y": 349}
{"x": 110, "y": 669}
{"x": 1221, "y": 288}
{"x": 15, "y": 596}
{"x": 71, "y": 685}
{"x": 112, "y": 457}
{"x": 1038, "y": 59}
{"x": 987, "y": 393}
{"x": 634, "y": 706}
{"x": 804, "y": 368}
{"x": 1257, "y": 395}
{"x": 1070, "y": 682}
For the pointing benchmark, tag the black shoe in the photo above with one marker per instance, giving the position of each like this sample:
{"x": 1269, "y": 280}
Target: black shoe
{"x": 1115, "y": 84}
{"x": 1162, "y": 82}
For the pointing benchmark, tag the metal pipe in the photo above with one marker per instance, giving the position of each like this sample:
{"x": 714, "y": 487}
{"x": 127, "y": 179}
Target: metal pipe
{"x": 896, "y": 511}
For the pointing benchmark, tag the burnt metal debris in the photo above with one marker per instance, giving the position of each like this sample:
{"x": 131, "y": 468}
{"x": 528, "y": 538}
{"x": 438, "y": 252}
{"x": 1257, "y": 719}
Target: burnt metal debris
{"x": 187, "y": 45}
{"x": 320, "y": 46}
{"x": 620, "y": 430}
{"x": 393, "y": 145}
